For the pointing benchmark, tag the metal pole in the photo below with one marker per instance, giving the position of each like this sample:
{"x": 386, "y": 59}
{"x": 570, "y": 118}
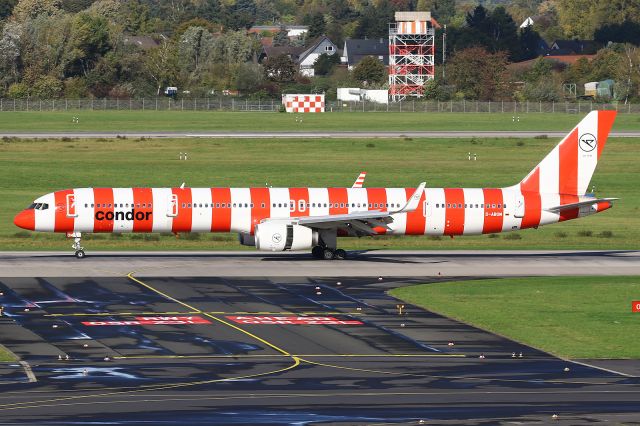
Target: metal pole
{"x": 444, "y": 50}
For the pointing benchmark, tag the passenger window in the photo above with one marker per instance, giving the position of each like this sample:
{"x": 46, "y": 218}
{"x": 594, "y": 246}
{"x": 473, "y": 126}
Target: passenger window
{"x": 504, "y": 205}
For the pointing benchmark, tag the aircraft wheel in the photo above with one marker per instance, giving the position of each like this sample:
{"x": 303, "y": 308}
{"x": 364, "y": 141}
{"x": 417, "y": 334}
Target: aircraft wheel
{"x": 340, "y": 254}
{"x": 80, "y": 254}
{"x": 327, "y": 254}
{"x": 317, "y": 252}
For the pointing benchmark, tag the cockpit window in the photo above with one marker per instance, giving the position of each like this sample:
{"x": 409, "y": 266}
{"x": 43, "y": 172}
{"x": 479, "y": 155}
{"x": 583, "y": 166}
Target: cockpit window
{"x": 38, "y": 206}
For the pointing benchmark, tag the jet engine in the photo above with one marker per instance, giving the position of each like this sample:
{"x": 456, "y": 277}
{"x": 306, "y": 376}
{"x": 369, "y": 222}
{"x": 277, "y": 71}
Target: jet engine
{"x": 274, "y": 236}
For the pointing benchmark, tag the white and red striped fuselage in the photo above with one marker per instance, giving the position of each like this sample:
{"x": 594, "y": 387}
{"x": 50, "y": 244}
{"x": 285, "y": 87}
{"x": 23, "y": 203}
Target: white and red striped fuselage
{"x": 297, "y": 218}
{"x": 442, "y": 211}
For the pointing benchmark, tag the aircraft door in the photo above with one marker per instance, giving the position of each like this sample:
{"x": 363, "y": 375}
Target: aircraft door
{"x": 427, "y": 209}
{"x": 172, "y": 208}
{"x": 519, "y": 206}
{"x": 71, "y": 206}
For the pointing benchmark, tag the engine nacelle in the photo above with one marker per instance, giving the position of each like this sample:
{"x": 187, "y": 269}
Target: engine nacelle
{"x": 274, "y": 236}
{"x": 246, "y": 239}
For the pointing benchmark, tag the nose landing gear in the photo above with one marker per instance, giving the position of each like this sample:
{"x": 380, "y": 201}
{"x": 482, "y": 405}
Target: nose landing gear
{"x": 77, "y": 237}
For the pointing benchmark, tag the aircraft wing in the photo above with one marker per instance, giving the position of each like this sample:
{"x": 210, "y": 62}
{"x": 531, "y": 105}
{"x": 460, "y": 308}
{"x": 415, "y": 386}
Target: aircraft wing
{"x": 579, "y": 204}
{"x": 359, "y": 223}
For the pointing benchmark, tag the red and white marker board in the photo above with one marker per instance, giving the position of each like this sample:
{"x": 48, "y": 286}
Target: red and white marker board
{"x": 291, "y": 320}
{"x": 152, "y": 321}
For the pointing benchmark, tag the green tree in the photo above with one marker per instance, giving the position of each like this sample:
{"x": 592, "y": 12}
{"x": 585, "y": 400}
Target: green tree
{"x": 324, "y": 64}
{"x": 211, "y": 10}
{"x": 281, "y": 38}
{"x": 47, "y": 87}
{"x": 529, "y": 42}
{"x": 18, "y": 91}
{"x": 577, "y": 18}
{"x": 504, "y": 33}
{"x": 26, "y": 9}
{"x": 76, "y": 6}
{"x": 88, "y": 41}
{"x": 233, "y": 47}
{"x": 241, "y": 14}
{"x": 135, "y": 17}
{"x": 10, "y": 42}
{"x": 317, "y": 25}
{"x": 196, "y": 46}
{"x": 279, "y": 68}
{"x": 248, "y": 77}
{"x": 369, "y": 71}
{"x": 625, "y": 32}
{"x": 161, "y": 64}
{"x": 479, "y": 74}
{"x": 6, "y": 8}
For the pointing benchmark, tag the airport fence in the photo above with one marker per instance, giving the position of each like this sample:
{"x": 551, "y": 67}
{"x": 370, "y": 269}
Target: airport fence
{"x": 273, "y": 105}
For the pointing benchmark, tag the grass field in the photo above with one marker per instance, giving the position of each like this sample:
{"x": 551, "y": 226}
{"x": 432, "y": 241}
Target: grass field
{"x": 32, "y": 168}
{"x": 189, "y": 121}
{"x": 5, "y": 355}
{"x": 573, "y": 317}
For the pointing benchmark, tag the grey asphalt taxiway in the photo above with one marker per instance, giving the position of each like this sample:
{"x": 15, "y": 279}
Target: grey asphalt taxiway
{"x": 305, "y": 135}
{"x": 187, "y": 345}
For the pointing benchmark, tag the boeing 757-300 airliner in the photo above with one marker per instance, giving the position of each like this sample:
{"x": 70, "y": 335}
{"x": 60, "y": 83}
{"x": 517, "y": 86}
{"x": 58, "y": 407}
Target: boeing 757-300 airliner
{"x": 279, "y": 219}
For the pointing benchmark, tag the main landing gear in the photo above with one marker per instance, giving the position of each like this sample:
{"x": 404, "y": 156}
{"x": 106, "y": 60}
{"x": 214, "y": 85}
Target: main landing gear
{"x": 326, "y": 253}
{"x": 77, "y": 237}
{"x": 326, "y": 248}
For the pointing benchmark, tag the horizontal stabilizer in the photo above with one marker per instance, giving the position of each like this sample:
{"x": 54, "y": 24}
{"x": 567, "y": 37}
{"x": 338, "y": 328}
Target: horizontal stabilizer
{"x": 583, "y": 203}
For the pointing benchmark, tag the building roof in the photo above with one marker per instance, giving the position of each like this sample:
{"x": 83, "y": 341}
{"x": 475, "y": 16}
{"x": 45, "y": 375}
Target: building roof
{"x": 311, "y": 47}
{"x": 292, "y": 51}
{"x": 568, "y": 47}
{"x": 563, "y": 59}
{"x": 143, "y": 42}
{"x": 276, "y": 28}
{"x": 356, "y": 49}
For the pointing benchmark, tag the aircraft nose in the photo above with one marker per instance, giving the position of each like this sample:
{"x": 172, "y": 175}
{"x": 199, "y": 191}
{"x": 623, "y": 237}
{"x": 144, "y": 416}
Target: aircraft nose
{"x": 26, "y": 219}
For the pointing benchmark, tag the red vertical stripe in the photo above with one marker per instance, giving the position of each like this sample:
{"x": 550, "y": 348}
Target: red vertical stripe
{"x": 182, "y": 222}
{"x": 296, "y": 195}
{"x": 569, "y": 164}
{"x": 103, "y": 199}
{"x": 530, "y": 189}
{"x": 377, "y": 196}
{"x": 492, "y": 213}
{"x": 338, "y": 196}
{"x": 261, "y": 200}
{"x": 415, "y": 220}
{"x": 454, "y": 217}
{"x": 221, "y": 215}
{"x": 569, "y": 213}
{"x": 63, "y": 223}
{"x": 605, "y": 122}
{"x": 143, "y": 197}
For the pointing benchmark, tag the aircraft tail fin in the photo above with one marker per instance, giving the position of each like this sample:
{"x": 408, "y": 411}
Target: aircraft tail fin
{"x": 568, "y": 168}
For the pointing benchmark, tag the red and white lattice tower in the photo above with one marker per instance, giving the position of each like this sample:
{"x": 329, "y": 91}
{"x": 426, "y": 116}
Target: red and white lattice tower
{"x": 411, "y": 54}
